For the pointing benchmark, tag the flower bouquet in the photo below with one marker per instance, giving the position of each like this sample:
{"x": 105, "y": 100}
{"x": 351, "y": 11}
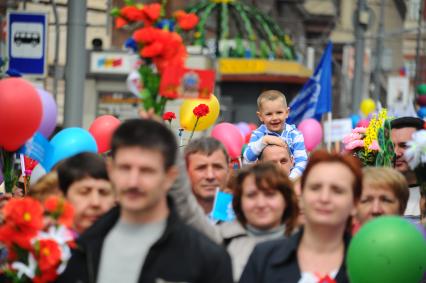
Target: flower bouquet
{"x": 372, "y": 145}
{"x": 159, "y": 43}
{"x": 37, "y": 238}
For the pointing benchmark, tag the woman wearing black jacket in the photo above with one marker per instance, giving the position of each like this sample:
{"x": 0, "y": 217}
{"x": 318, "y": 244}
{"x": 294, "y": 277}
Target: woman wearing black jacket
{"x": 331, "y": 188}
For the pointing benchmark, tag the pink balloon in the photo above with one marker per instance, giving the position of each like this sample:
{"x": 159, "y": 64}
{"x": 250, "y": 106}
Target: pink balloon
{"x": 312, "y": 133}
{"x": 363, "y": 123}
{"x": 102, "y": 129}
{"x": 231, "y": 138}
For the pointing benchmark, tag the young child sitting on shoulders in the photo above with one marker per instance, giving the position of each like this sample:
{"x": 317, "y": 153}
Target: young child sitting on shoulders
{"x": 273, "y": 112}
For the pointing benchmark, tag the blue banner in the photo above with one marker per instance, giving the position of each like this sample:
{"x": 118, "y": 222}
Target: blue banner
{"x": 315, "y": 97}
{"x": 37, "y": 148}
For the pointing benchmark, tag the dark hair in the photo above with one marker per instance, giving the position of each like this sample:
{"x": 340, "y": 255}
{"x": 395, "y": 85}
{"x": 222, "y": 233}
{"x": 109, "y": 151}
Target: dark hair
{"x": 80, "y": 166}
{"x": 205, "y": 145}
{"x": 267, "y": 177}
{"x": 146, "y": 134}
{"x": 407, "y": 122}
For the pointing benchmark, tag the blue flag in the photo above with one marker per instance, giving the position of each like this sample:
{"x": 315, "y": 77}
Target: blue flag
{"x": 315, "y": 97}
{"x": 222, "y": 207}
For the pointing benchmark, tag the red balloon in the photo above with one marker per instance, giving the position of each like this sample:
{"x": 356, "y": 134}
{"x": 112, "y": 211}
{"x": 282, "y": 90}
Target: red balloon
{"x": 230, "y": 136}
{"x": 20, "y": 112}
{"x": 102, "y": 129}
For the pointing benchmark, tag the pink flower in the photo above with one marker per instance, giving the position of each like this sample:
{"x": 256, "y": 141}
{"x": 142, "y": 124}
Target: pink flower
{"x": 351, "y": 137}
{"x": 360, "y": 130}
{"x": 374, "y": 146}
{"x": 354, "y": 144}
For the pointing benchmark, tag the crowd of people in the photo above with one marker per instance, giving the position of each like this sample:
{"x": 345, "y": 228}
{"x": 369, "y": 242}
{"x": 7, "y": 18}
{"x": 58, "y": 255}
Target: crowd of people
{"x": 143, "y": 212}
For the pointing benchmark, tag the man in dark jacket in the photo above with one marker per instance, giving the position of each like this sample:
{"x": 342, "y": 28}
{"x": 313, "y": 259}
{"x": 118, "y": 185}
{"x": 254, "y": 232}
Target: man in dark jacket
{"x": 143, "y": 239}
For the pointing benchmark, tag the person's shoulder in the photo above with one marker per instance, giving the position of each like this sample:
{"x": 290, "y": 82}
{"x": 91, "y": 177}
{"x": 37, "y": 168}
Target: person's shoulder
{"x": 276, "y": 250}
{"x": 198, "y": 241}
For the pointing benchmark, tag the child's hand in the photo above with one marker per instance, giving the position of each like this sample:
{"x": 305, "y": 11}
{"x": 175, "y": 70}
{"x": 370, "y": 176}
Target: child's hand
{"x": 273, "y": 140}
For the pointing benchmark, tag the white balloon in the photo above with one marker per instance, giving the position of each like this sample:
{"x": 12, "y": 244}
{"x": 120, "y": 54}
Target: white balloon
{"x": 36, "y": 174}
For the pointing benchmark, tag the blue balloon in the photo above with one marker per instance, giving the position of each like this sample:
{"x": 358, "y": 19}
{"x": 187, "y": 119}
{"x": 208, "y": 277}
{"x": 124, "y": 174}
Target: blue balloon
{"x": 67, "y": 143}
{"x": 422, "y": 112}
{"x": 355, "y": 119}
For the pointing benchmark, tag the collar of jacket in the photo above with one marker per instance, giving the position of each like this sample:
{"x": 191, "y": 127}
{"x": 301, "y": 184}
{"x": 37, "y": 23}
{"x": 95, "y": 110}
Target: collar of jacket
{"x": 91, "y": 241}
{"x": 287, "y": 252}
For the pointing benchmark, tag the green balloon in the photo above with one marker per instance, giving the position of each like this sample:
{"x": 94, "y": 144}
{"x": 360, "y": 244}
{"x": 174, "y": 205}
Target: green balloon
{"x": 421, "y": 89}
{"x": 387, "y": 249}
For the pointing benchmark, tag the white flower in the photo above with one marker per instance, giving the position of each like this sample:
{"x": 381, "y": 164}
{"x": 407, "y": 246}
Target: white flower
{"x": 416, "y": 152}
{"x": 28, "y": 270}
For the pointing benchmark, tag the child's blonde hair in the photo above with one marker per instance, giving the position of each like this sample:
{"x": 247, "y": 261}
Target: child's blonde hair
{"x": 270, "y": 95}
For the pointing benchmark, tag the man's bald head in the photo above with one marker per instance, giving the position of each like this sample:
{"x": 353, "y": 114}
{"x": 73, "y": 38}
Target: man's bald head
{"x": 279, "y": 155}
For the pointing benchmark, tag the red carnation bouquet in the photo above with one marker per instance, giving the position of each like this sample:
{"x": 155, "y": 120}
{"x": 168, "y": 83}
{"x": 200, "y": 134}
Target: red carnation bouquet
{"x": 37, "y": 237}
{"x": 158, "y": 41}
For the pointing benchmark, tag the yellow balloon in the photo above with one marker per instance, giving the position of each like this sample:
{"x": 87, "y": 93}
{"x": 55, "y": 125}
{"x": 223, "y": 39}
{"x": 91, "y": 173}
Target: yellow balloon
{"x": 367, "y": 106}
{"x": 188, "y": 119}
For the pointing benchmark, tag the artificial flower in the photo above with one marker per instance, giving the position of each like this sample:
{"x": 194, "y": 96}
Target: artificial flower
{"x": 132, "y": 13}
{"x": 186, "y": 21}
{"x": 416, "y": 151}
{"x": 201, "y": 110}
{"x": 26, "y": 214}
{"x": 152, "y": 11}
{"x": 48, "y": 254}
{"x": 60, "y": 210}
{"x": 169, "y": 116}
{"x": 120, "y": 22}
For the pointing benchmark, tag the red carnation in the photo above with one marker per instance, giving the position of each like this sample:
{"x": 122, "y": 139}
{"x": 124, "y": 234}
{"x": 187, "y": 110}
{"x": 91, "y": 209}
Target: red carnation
{"x": 60, "y": 210}
{"x": 132, "y": 13}
{"x": 186, "y": 21}
{"x": 47, "y": 254}
{"x": 152, "y": 11}
{"x": 25, "y": 214}
{"x": 146, "y": 35}
{"x": 120, "y": 22}
{"x": 169, "y": 116}
{"x": 152, "y": 50}
{"x": 201, "y": 110}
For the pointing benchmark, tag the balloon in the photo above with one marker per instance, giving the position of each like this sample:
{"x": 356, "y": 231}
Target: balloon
{"x": 231, "y": 138}
{"x": 421, "y": 100}
{"x": 244, "y": 128}
{"x": 252, "y": 126}
{"x": 421, "y": 89}
{"x": 355, "y": 119}
{"x": 50, "y": 113}
{"x": 312, "y": 133}
{"x": 387, "y": 249}
{"x": 20, "y": 112}
{"x": 187, "y": 117}
{"x": 422, "y": 112}
{"x": 367, "y": 106}
{"x": 36, "y": 174}
{"x": 102, "y": 129}
{"x": 69, "y": 142}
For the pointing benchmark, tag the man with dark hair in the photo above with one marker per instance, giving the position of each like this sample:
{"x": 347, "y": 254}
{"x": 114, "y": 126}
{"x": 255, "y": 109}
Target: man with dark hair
{"x": 84, "y": 181}
{"x": 207, "y": 163}
{"x": 143, "y": 240}
{"x": 402, "y": 131}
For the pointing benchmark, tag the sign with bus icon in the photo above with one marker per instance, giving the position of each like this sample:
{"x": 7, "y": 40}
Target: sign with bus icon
{"x": 26, "y": 42}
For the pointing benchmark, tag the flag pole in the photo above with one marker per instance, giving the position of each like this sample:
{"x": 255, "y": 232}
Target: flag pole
{"x": 329, "y": 119}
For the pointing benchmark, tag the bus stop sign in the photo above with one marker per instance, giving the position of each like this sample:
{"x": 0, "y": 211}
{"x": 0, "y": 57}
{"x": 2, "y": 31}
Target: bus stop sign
{"x": 26, "y": 42}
